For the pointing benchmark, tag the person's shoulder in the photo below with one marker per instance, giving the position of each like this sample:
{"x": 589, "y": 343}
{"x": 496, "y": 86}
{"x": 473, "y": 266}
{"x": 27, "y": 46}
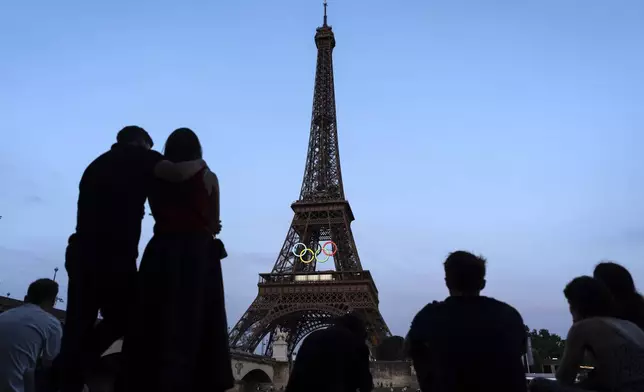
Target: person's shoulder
{"x": 143, "y": 160}
{"x": 45, "y": 318}
{"x": 585, "y": 327}
{"x": 337, "y": 335}
{"x": 8, "y": 314}
{"x": 53, "y": 321}
{"x": 50, "y": 325}
{"x": 153, "y": 154}
{"x": 56, "y": 327}
{"x": 106, "y": 155}
{"x": 503, "y": 308}
{"x": 314, "y": 339}
{"x": 100, "y": 161}
{"x": 34, "y": 313}
{"x": 432, "y": 307}
{"x": 319, "y": 334}
{"x": 495, "y": 303}
{"x": 118, "y": 156}
{"x": 333, "y": 331}
{"x": 209, "y": 177}
{"x": 427, "y": 313}
{"x": 129, "y": 153}
{"x": 144, "y": 155}
{"x": 598, "y": 322}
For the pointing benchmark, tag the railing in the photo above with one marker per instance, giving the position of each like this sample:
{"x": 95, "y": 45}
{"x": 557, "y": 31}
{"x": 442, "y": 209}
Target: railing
{"x": 241, "y": 355}
{"x": 549, "y": 376}
{"x": 314, "y": 277}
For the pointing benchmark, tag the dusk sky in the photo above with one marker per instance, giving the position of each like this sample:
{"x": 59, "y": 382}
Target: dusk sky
{"x": 511, "y": 128}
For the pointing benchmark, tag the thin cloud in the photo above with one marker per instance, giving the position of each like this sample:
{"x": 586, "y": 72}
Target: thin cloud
{"x": 34, "y": 199}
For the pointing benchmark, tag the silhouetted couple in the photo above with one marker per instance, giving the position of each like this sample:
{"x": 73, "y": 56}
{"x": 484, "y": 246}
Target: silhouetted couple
{"x": 607, "y": 327}
{"x": 172, "y": 311}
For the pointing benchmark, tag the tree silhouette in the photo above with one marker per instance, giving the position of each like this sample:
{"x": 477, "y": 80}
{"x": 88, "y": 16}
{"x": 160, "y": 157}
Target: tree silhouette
{"x": 545, "y": 345}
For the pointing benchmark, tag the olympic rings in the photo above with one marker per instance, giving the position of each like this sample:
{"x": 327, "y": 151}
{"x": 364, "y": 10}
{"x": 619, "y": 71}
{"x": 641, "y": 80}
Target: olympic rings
{"x": 315, "y": 255}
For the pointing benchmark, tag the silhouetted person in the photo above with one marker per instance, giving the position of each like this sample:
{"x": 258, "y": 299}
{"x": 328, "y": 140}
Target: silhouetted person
{"x": 391, "y": 349}
{"x": 29, "y": 333}
{"x": 101, "y": 255}
{"x": 630, "y": 304}
{"x": 468, "y": 343}
{"x": 335, "y": 359}
{"x": 616, "y": 345}
{"x": 178, "y": 341}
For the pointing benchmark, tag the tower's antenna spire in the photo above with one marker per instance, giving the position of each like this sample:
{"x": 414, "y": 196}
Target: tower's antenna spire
{"x": 325, "y": 5}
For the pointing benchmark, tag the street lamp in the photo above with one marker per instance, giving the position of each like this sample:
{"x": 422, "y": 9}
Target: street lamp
{"x": 58, "y": 299}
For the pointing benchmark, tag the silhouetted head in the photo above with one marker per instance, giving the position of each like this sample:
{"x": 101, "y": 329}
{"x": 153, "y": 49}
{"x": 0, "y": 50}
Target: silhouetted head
{"x": 134, "y": 135}
{"x": 464, "y": 273}
{"x": 43, "y": 293}
{"x": 353, "y": 323}
{"x": 617, "y": 278}
{"x": 588, "y": 297}
{"x": 182, "y": 145}
{"x": 629, "y": 303}
{"x": 391, "y": 349}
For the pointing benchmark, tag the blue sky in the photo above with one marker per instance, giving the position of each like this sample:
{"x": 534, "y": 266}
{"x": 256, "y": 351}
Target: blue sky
{"x": 510, "y": 128}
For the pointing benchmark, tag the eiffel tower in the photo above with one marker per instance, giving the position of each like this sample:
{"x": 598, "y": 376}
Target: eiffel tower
{"x": 294, "y": 297}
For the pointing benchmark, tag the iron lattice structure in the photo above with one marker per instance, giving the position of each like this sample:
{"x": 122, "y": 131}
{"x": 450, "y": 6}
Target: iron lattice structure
{"x": 294, "y": 297}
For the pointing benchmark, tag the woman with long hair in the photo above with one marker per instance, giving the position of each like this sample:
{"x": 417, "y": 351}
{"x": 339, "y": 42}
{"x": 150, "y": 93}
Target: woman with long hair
{"x": 178, "y": 340}
{"x": 616, "y": 346}
{"x": 630, "y": 304}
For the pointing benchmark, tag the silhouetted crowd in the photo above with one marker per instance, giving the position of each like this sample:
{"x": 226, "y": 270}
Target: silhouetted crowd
{"x": 171, "y": 316}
